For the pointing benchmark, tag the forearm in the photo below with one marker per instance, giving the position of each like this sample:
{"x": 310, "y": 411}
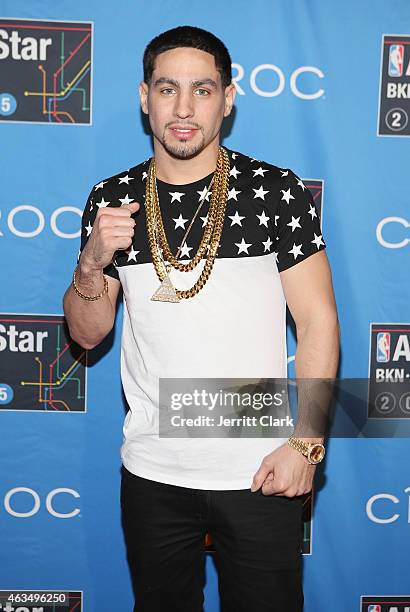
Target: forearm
{"x": 88, "y": 321}
{"x": 317, "y": 357}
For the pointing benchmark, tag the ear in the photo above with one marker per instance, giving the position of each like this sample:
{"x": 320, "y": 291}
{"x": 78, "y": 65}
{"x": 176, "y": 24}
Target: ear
{"x": 143, "y": 91}
{"x": 230, "y": 93}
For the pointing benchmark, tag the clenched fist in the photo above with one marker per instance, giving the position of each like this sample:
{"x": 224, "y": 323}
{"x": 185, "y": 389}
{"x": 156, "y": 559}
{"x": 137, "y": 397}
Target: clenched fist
{"x": 113, "y": 230}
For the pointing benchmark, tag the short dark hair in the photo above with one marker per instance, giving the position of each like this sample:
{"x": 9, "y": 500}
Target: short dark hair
{"x": 188, "y": 36}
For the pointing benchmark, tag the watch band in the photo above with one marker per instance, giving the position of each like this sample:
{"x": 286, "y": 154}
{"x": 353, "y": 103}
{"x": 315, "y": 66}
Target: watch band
{"x": 314, "y": 451}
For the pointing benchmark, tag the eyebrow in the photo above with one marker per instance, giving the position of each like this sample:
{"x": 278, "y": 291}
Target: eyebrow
{"x": 198, "y": 83}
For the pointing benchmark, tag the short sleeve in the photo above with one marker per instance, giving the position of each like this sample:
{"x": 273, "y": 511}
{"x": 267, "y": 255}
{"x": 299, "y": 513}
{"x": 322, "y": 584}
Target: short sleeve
{"x": 297, "y": 223}
{"x": 87, "y": 221}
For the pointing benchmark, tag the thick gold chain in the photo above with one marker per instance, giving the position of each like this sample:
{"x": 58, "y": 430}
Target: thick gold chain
{"x": 211, "y": 237}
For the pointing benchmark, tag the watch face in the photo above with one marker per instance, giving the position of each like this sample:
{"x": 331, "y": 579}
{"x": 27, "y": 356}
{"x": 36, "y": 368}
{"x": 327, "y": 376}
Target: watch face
{"x": 317, "y": 452}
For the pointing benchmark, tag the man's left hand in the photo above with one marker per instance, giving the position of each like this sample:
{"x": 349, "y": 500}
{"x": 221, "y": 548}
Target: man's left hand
{"x": 285, "y": 471}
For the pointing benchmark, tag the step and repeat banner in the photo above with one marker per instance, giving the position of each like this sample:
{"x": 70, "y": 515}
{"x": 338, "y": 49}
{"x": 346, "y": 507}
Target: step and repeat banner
{"x": 322, "y": 88}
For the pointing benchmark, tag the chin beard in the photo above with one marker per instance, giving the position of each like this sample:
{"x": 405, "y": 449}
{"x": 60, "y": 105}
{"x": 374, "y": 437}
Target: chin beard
{"x": 183, "y": 150}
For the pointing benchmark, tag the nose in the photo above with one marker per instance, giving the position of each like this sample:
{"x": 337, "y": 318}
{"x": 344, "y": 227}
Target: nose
{"x": 184, "y": 105}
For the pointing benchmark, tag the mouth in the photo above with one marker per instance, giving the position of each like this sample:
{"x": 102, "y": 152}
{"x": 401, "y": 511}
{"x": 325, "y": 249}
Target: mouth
{"x": 183, "y": 133}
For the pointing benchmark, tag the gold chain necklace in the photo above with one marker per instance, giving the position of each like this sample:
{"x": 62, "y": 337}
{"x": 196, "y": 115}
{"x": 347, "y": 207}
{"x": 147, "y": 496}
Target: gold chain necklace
{"x": 210, "y": 240}
{"x": 168, "y": 266}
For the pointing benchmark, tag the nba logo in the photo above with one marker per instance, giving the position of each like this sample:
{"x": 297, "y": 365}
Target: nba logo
{"x": 383, "y": 347}
{"x": 374, "y": 608}
{"x": 396, "y": 55}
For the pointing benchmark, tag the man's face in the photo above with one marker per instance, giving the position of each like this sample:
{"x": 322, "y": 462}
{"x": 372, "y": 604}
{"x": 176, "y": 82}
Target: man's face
{"x": 185, "y": 101}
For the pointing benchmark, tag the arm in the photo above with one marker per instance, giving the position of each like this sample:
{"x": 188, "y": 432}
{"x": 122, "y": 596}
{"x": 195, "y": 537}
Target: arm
{"x": 309, "y": 294}
{"x": 90, "y": 321}
{"x": 113, "y": 229}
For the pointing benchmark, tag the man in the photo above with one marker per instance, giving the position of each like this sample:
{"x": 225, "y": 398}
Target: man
{"x": 264, "y": 249}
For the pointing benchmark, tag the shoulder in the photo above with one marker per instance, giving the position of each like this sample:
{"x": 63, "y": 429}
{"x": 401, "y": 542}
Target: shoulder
{"x": 247, "y": 169}
{"x": 264, "y": 182}
{"x": 133, "y": 176}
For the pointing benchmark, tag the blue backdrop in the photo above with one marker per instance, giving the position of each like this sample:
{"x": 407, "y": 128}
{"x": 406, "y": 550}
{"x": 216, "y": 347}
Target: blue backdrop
{"x": 313, "y": 95}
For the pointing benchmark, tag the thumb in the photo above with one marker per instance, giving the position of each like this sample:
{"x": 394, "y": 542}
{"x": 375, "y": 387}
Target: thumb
{"x": 133, "y": 207}
{"x": 260, "y": 477}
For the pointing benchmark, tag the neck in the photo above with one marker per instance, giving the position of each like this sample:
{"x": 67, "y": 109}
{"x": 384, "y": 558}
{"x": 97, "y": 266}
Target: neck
{"x": 184, "y": 171}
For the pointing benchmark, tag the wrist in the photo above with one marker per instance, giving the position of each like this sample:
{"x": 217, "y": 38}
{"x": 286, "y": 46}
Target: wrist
{"x": 310, "y": 440}
{"x": 87, "y": 269}
{"x": 312, "y": 448}
{"x": 87, "y": 282}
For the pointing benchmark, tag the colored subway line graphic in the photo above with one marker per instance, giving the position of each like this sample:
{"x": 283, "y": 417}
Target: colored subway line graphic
{"x": 48, "y": 72}
{"x": 43, "y": 369}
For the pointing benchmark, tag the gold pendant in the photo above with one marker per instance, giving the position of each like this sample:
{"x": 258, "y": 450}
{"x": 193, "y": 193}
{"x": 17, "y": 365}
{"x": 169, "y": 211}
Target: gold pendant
{"x": 166, "y": 292}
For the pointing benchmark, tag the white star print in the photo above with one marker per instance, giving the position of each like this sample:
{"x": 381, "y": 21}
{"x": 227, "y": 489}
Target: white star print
{"x": 100, "y": 185}
{"x": 243, "y": 246}
{"x": 294, "y": 223}
{"x": 234, "y": 172}
{"x": 296, "y": 250}
{"x": 126, "y": 200}
{"x": 267, "y": 244}
{"x": 253, "y": 174}
{"x": 260, "y": 193}
{"x": 318, "y": 240}
{"x": 126, "y": 179}
{"x": 312, "y": 211}
{"x": 204, "y": 194}
{"x": 185, "y": 250}
{"x": 132, "y": 254}
{"x": 287, "y": 196}
{"x": 258, "y": 172}
{"x": 102, "y": 204}
{"x": 233, "y": 193}
{"x": 236, "y": 219}
{"x": 180, "y": 222}
{"x": 263, "y": 219}
{"x": 176, "y": 195}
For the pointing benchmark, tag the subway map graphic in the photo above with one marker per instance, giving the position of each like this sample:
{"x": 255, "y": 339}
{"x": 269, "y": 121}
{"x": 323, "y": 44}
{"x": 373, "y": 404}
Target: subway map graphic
{"x": 42, "y": 369}
{"x": 45, "y": 71}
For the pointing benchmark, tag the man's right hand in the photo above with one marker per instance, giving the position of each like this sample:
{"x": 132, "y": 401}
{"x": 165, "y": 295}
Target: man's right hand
{"x": 113, "y": 230}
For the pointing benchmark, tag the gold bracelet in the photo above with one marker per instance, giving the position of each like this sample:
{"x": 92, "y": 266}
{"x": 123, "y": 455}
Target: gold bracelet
{"x": 90, "y": 298}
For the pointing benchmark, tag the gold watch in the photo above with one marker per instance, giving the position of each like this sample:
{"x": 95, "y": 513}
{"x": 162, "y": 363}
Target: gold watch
{"x": 314, "y": 451}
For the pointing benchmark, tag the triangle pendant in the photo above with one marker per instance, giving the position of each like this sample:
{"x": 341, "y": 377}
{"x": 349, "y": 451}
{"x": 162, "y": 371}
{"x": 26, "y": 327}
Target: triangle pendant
{"x": 166, "y": 292}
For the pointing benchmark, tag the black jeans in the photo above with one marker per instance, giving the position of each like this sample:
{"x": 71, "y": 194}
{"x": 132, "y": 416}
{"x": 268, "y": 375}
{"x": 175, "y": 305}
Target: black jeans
{"x": 257, "y": 540}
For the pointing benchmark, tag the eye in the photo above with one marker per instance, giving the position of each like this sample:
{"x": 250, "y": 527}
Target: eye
{"x": 167, "y": 91}
{"x": 202, "y": 92}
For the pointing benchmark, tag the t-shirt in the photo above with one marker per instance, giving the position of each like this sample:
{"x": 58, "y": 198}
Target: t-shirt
{"x": 235, "y": 327}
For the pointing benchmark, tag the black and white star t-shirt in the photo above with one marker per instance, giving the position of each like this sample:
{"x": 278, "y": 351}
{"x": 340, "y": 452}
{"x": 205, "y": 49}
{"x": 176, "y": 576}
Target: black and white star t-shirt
{"x": 235, "y": 327}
